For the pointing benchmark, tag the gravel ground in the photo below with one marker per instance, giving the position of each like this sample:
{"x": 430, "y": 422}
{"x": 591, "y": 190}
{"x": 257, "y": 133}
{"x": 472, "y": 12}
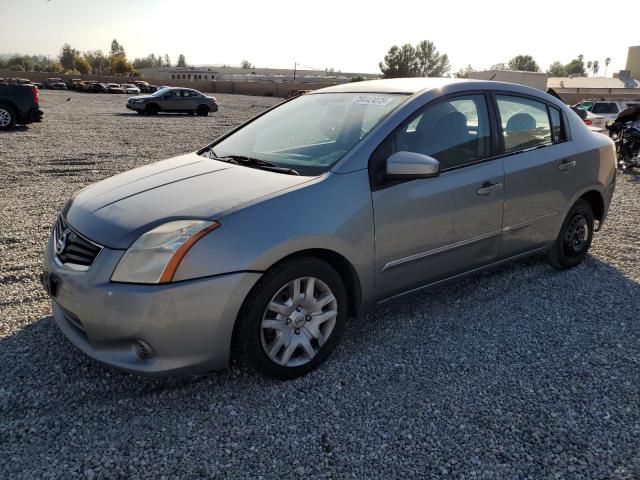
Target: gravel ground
{"x": 524, "y": 372}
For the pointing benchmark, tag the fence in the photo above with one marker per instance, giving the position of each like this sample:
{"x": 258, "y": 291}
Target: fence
{"x": 270, "y": 89}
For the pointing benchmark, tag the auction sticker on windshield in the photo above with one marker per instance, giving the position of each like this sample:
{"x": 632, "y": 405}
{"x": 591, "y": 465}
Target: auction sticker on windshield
{"x": 368, "y": 100}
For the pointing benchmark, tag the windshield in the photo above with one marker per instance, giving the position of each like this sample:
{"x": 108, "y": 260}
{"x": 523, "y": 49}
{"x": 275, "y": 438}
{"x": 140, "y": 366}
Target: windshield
{"x": 159, "y": 93}
{"x": 312, "y": 132}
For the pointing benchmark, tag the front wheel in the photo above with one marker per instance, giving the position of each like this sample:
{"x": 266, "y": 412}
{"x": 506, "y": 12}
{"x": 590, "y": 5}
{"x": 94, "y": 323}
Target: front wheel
{"x": 7, "y": 118}
{"x": 152, "y": 109}
{"x": 293, "y": 318}
{"x": 574, "y": 240}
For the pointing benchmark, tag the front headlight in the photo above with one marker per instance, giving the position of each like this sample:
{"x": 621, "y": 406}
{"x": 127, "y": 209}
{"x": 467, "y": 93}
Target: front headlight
{"x": 155, "y": 256}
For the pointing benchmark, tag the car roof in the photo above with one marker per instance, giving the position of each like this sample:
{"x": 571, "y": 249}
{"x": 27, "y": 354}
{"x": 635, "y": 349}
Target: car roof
{"x": 412, "y": 86}
{"x": 394, "y": 85}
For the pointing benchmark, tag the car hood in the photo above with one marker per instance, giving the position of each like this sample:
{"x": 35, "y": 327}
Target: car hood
{"x": 116, "y": 211}
{"x": 140, "y": 97}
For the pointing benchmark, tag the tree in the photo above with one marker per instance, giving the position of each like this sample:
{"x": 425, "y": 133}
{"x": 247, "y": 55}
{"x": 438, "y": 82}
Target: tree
{"x": 167, "y": 60}
{"x": 589, "y": 63}
{"x": 117, "y": 48}
{"x": 68, "y": 56}
{"x": 523, "y": 63}
{"x": 182, "y": 61}
{"x": 576, "y": 67}
{"x": 557, "y": 69}
{"x": 595, "y": 67}
{"x": 81, "y": 64}
{"x": 97, "y": 60}
{"x": 429, "y": 62}
{"x": 246, "y": 64}
{"x": 464, "y": 72}
{"x": 118, "y": 65}
{"x": 607, "y": 61}
{"x": 499, "y": 66}
{"x": 399, "y": 62}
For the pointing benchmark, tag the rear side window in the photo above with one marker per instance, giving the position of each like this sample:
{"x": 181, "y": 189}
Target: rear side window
{"x": 604, "y": 108}
{"x": 525, "y": 123}
{"x": 557, "y": 128}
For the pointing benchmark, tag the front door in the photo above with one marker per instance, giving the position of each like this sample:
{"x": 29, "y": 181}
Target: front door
{"x": 429, "y": 229}
{"x": 540, "y": 172}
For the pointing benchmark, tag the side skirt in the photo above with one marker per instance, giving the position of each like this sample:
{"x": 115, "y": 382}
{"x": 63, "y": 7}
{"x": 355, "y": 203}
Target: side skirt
{"x": 467, "y": 273}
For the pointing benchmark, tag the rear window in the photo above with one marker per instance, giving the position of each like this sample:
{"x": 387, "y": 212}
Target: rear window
{"x": 525, "y": 123}
{"x": 604, "y": 108}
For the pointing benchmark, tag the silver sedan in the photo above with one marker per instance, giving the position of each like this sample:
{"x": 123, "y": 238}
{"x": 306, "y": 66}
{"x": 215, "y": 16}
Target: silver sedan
{"x": 264, "y": 242}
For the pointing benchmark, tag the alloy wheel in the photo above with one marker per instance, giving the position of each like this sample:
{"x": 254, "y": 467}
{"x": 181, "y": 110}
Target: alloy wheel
{"x": 297, "y": 321}
{"x": 5, "y": 118}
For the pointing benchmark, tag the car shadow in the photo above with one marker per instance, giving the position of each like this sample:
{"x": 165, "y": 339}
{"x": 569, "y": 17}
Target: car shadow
{"x": 159, "y": 115}
{"x": 16, "y": 129}
{"x": 41, "y": 349}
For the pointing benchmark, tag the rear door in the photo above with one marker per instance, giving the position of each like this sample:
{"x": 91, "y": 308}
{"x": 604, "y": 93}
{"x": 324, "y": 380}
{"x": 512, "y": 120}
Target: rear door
{"x": 540, "y": 171}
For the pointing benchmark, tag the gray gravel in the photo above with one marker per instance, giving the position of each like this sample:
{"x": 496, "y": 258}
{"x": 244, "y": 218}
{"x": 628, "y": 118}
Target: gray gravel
{"x": 524, "y": 372}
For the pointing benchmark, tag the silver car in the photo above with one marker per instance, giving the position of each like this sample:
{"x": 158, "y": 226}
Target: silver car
{"x": 265, "y": 242}
{"x": 175, "y": 100}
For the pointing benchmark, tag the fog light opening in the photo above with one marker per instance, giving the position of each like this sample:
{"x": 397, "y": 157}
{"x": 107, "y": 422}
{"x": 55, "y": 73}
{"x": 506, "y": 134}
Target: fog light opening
{"x": 144, "y": 350}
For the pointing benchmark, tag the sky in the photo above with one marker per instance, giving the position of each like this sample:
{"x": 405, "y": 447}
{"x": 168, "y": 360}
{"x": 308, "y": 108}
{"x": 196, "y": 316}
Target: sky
{"x": 351, "y": 36}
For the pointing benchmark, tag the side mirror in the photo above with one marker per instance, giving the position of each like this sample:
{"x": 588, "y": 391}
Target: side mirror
{"x": 410, "y": 165}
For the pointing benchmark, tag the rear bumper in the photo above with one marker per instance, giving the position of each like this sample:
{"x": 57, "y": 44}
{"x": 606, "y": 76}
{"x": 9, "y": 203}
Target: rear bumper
{"x": 33, "y": 115}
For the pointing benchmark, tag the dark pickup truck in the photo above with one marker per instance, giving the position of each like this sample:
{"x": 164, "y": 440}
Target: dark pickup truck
{"x": 19, "y": 104}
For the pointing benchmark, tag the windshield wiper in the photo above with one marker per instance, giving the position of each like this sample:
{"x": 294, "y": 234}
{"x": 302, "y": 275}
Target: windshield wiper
{"x": 256, "y": 163}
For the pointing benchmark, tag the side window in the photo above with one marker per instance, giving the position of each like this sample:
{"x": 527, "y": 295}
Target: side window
{"x": 557, "y": 128}
{"x": 604, "y": 108}
{"x": 454, "y": 132}
{"x": 525, "y": 123}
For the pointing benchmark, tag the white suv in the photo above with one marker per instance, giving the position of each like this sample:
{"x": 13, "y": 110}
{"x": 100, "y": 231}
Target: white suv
{"x": 600, "y": 111}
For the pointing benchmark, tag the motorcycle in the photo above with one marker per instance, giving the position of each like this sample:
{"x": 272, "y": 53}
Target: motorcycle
{"x": 625, "y": 132}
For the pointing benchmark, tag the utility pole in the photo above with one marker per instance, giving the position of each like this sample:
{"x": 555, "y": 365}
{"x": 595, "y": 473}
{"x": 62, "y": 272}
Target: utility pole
{"x": 295, "y": 68}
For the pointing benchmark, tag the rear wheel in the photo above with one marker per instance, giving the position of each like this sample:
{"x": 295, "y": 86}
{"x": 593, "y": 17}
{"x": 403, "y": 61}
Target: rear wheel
{"x": 202, "y": 111}
{"x": 7, "y": 118}
{"x": 574, "y": 240}
{"x": 293, "y": 318}
{"x": 151, "y": 109}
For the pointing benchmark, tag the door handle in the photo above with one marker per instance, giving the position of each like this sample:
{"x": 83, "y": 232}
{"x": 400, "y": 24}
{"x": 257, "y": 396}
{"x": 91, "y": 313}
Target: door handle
{"x": 488, "y": 188}
{"x": 566, "y": 165}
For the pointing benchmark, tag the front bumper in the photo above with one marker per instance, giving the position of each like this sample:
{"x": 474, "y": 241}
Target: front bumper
{"x": 182, "y": 327}
{"x": 135, "y": 106}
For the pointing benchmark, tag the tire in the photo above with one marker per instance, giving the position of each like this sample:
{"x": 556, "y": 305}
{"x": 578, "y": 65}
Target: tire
{"x": 574, "y": 239}
{"x": 299, "y": 342}
{"x": 151, "y": 109}
{"x": 7, "y": 117}
{"x": 202, "y": 111}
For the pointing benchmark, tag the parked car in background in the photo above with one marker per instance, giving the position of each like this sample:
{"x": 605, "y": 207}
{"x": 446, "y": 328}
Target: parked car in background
{"x": 269, "y": 238}
{"x": 603, "y": 110}
{"x": 143, "y": 86}
{"x": 38, "y": 85}
{"x": 152, "y": 88}
{"x": 74, "y": 84}
{"x": 54, "y": 84}
{"x": 98, "y": 87}
{"x": 130, "y": 88}
{"x": 19, "y": 105}
{"x": 114, "y": 88}
{"x": 184, "y": 100}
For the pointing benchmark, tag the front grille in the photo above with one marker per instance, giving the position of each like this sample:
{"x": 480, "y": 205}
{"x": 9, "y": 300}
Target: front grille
{"x": 71, "y": 248}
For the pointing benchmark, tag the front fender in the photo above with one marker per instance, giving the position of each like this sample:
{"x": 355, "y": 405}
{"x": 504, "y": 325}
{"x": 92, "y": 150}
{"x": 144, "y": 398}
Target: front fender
{"x": 333, "y": 214}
